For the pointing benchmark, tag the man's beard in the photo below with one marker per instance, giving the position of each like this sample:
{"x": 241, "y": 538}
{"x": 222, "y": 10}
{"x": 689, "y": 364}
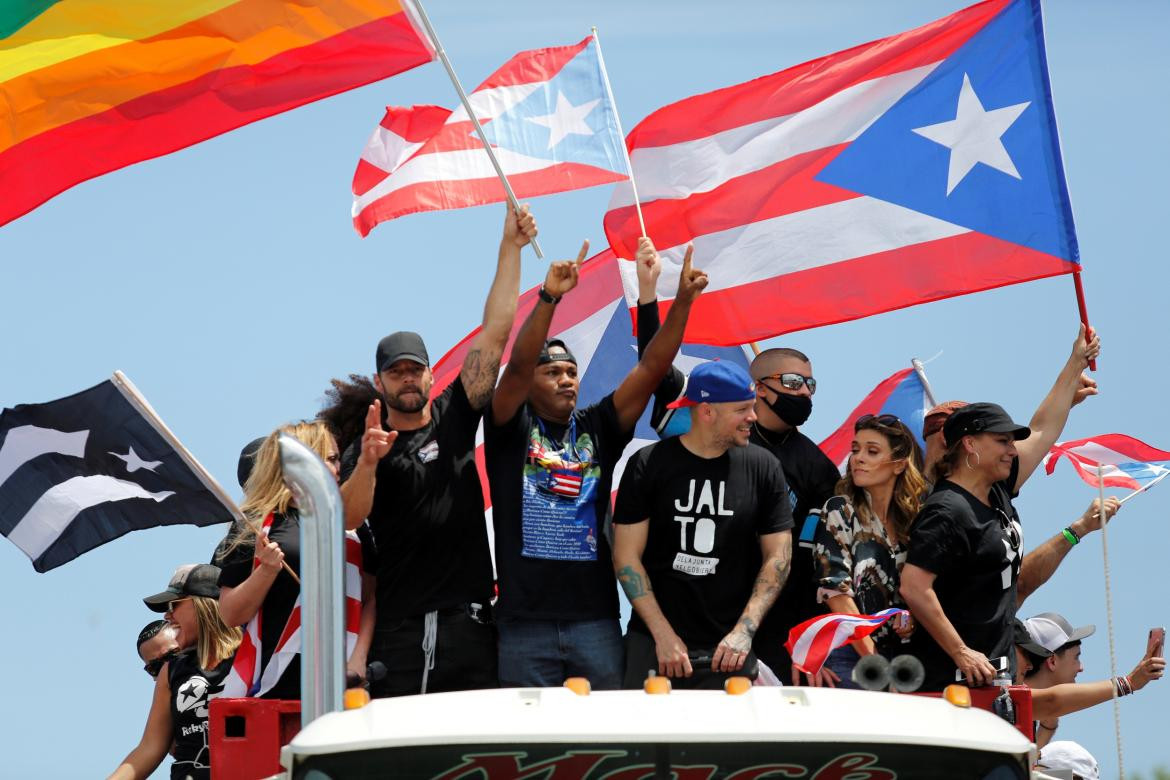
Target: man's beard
{"x": 415, "y": 403}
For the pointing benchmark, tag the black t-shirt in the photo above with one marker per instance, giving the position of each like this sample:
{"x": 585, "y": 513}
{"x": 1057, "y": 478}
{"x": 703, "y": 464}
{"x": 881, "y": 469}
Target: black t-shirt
{"x": 428, "y": 514}
{"x": 191, "y": 688}
{"x": 280, "y": 600}
{"x": 812, "y": 480}
{"x": 551, "y": 486}
{"x": 974, "y": 551}
{"x": 706, "y": 516}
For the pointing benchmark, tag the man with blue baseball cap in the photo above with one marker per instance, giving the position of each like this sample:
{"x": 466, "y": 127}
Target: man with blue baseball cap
{"x": 702, "y": 539}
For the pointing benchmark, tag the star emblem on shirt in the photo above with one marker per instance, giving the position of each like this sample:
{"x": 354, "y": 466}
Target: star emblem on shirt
{"x": 565, "y": 120}
{"x": 973, "y": 136}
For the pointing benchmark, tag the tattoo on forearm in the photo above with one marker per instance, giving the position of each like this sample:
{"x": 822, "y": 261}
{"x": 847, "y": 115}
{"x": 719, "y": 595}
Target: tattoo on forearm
{"x": 749, "y": 625}
{"x": 782, "y": 567}
{"x": 634, "y": 583}
{"x": 481, "y": 368}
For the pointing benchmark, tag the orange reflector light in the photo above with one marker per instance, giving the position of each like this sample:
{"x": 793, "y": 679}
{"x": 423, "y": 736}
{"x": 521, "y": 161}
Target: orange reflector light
{"x": 737, "y": 686}
{"x": 656, "y": 684}
{"x": 578, "y": 685}
{"x": 958, "y": 695}
{"x": 356, "y": 698}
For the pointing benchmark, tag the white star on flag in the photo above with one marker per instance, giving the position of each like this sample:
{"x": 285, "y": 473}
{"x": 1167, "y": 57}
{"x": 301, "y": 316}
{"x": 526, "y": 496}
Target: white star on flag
{"x": 566, "y": 119}
{"x": 973, "y": 136}
{"x": 133, "y": 462}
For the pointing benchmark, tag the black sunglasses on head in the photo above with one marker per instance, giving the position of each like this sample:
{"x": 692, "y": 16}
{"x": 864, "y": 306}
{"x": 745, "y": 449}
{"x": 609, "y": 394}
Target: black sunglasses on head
{"x": 154, "y": 667}
{"x": 887, "y": 420}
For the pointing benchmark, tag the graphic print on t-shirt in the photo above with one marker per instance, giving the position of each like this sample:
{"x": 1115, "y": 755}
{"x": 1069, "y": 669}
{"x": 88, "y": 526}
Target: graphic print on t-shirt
{"x": 702, "y": 504}
{"x": 191, "y": 706}
{"x": 559, "y": 520}
{"x": 1013, "y": 538}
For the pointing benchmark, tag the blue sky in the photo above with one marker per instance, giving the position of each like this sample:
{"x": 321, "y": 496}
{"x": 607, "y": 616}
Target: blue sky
{"x": 227, "y": 281}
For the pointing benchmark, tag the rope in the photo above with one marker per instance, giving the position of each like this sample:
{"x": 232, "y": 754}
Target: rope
{"x": 1109, "y": 621}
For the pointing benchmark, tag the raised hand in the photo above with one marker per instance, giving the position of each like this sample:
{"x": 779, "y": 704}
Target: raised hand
{"x": 1151, "y": 667}
{"x": 376, "y": 442}
{"x": 1085, "y": 348}
{"x": 519, "y": 226}
{"x": 562, "y": 276}
{"x": 1088, "y": 387}
{"x": 269, "y": 553}
{"x": 649, "y": 268}
{"x": 691, "y": 281}
{"x": 1091, "y": 519}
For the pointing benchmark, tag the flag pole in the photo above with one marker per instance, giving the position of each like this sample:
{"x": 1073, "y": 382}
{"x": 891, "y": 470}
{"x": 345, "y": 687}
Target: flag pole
{"x": 621, "y": 133}
{"x": 442, "y": 54}
{"x": 1084, "y": 311}
{"x": 136, "y": 399}
{"x": 1145, "y": 487}
{"x": 1109, "y": 618}
{"x": 920, "y": 369}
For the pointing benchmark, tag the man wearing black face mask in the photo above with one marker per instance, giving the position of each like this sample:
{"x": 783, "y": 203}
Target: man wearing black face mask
{"x": 784, "y": 389}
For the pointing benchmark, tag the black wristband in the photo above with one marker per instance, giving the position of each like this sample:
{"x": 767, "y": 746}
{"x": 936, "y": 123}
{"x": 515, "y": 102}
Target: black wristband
{"x": 544, "y": 295}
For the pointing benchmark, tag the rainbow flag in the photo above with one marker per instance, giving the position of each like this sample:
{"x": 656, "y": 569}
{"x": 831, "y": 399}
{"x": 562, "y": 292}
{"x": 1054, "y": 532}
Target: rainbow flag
{"x": 90, "y": 86}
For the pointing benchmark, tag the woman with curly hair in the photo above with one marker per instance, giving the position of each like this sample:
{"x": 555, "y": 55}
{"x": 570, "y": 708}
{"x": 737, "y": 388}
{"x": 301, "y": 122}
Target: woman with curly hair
{"x": 861, "y": 545}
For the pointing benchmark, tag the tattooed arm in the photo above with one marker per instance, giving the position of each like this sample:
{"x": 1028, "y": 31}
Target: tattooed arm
{"x": 734, "y": 649}
{"x": 629, "y": 542}
{"x": 481, "y": 366}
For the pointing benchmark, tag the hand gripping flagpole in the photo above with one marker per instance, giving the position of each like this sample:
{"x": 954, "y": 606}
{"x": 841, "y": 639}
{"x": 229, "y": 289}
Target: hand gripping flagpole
{"x": 442, "y": 55}
{"x": 621, "y": 133}
{"x": 1109, "y": 618}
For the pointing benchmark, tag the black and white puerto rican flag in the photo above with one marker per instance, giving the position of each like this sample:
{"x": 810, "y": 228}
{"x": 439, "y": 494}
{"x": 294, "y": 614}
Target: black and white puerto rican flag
{"x": 80, "y": 471}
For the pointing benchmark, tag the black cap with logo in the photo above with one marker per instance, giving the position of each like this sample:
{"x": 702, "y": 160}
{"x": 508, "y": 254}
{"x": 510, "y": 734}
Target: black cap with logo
{"x": 981, "y": 418}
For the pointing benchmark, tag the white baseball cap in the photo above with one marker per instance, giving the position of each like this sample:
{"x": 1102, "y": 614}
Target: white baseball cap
{"x": 1052, "y": 632}
{"x": 1067, "y": 755}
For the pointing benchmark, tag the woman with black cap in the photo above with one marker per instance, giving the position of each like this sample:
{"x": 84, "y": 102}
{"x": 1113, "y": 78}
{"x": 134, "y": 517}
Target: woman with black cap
{"x": 178, "y": 712}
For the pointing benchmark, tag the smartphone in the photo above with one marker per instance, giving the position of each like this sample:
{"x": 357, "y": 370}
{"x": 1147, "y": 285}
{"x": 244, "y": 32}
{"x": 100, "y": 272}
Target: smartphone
{"x": 1156, "y": 644}
{"x": 1000, "y": 665}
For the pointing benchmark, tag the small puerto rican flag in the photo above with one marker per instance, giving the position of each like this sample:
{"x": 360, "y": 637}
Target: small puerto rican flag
{"x": 566, "y": 483}
{"x": 810, "y": 643}
{"x": 1126, "y": 462}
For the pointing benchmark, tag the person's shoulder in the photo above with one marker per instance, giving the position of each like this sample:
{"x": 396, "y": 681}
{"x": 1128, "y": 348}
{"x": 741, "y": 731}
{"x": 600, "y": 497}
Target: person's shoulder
{"x": 809, "y": 450}
{"x": 838, "y": 503}
{"x": 757, "y": 456}
{"x": 946, "y": 498}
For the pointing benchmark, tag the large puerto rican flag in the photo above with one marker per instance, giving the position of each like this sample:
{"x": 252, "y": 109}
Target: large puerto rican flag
{"x": 592, "y": 320}
{"x": 902, "y": 395}
{"x": 1125, "y": 462}
{"x": 914, "y": 168}
{"x": 547, "y": 115}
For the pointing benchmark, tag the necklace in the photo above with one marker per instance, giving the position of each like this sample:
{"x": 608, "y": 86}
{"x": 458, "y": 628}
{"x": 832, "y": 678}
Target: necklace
{"x": 773, "y": 444}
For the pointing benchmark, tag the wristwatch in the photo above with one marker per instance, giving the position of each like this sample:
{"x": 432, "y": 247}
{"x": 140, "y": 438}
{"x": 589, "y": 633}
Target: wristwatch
{"x": 546, "y": 297}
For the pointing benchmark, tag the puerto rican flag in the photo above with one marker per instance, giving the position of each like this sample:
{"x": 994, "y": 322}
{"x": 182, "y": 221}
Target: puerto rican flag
{"x": 1128, "y": 462}
{"x": 247, "y": 677}
{"x": 547, "y": 115}
{"x": 903, "y": 395}
{"x": 914, "y": 168}
{"x": 593, "y": 321}
{"x": 567, "y": 483}
{"x": 810, "y": 643}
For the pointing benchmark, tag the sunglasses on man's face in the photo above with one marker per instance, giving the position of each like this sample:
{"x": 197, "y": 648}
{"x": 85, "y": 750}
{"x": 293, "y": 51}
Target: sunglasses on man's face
{"x": 794, "y": 381}
{"x": 154, "y": 667}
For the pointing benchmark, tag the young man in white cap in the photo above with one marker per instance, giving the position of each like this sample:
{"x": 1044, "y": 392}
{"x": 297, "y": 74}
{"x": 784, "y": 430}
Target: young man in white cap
{"x": 696, "y": 515}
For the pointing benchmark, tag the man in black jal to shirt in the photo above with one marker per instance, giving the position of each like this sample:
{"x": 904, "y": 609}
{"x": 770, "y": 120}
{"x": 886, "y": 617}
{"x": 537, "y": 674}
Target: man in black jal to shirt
{"x": 784, "y": 390}
{"x": 550, "y": 467}
{"x": 417, "y": 482}
{"x": 702, "y": 538}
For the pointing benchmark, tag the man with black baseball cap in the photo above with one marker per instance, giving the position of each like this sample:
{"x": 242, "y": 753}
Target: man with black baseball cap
{"x": 415, "y": 479}
{"x": 550, "y": 466}
{"x": 696, "y": 515}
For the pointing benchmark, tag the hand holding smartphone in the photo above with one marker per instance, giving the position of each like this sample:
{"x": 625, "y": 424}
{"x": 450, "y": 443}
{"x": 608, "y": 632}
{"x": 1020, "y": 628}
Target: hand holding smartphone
{"x": 1156, "y": 644}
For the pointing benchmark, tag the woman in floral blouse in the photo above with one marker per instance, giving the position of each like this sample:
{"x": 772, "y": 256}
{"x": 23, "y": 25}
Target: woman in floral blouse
{"x": 861, "y": 545}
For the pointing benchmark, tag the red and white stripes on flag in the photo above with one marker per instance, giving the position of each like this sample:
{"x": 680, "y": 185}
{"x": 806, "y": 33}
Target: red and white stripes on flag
{"x": 735, "y": 171}
{"x": 1125, "y": 462}
{"x": 247, "y": 677}
{"x": 810, "y": 643}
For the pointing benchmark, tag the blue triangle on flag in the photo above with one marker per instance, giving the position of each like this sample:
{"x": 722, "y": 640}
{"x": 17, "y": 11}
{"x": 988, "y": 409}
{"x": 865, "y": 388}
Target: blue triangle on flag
{"x": 1005, "y": 67}
{"x": 573, "y": 99}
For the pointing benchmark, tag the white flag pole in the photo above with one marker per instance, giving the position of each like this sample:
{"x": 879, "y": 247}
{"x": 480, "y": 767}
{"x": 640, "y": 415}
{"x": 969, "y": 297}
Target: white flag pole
{"x": 1146, "y": 487}
{"x": 920, "y": 369}
{"x": 621, "y": 133}
{"x": 442, "y": 54}
{"x": 139, "y": 402}
{"x": 1109, "y": 619}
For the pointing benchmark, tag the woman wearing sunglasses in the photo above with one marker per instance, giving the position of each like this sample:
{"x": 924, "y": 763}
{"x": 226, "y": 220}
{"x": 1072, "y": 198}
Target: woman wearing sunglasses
{"x": 861, "y": 546}
{"x": 185, "y": 681}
